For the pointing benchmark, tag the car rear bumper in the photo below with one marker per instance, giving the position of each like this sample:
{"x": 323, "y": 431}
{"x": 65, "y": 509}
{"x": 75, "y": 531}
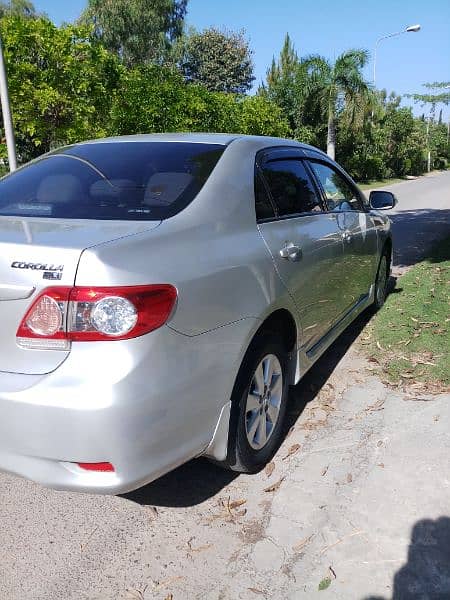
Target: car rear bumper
{"x": 144, "y": 405}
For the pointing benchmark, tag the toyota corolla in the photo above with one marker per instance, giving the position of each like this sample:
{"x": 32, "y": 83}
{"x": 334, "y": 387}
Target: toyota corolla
{"x": 160, "y": 293}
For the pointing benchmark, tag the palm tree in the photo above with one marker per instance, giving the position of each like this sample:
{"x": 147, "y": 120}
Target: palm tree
{"x": 339, "y": 88}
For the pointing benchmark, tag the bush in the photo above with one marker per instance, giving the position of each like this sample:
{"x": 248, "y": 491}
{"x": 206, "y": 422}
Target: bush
{"x": 156, "y": 99}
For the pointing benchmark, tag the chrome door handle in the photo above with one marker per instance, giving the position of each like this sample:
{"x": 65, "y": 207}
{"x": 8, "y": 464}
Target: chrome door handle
{"x": 290, "y": 251}
{"x": 347, "y": 236}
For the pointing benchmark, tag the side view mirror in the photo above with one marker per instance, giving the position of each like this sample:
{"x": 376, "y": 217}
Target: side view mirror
{"x": 381, "y": 200}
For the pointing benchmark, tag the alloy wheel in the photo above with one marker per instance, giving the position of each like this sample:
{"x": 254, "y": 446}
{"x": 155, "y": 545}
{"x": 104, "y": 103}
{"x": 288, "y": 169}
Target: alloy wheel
{"x": 263, "y": 401}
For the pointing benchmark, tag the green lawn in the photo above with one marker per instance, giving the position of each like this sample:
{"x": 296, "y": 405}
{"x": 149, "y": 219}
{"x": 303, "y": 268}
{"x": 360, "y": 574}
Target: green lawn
{"x": 409, "y": 338}
{"x": 379, "y": 183}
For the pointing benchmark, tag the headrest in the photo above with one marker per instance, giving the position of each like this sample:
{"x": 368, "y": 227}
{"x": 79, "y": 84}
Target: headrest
{"x": 59, "y": 189}
{"x": 164, "y": 189}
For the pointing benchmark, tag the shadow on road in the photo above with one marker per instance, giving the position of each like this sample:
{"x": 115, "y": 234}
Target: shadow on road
{"x": 198, "y": 480}
{"x": 415, "y": 230}
{"x": 426, "y": 575}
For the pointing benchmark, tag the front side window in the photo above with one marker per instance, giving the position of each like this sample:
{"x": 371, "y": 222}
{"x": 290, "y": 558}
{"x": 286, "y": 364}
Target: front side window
{"x": 291, "y": 187}
{"x": 339, "y": 194}
{"x": 110, "y": 180}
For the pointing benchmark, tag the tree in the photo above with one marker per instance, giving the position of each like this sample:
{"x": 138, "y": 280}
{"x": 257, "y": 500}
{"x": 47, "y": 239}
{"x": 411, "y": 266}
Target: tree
{"x": 220, "y": 60}
{"x": 22, "y": 8}
{"x": 437, "y": 137}
{"x": 285, "y": 84}
{"x": 138, "y": 31}
{"x": 338, "y": 87}
{"x": 438, "y": 95}
{"x": 61, "y": 83}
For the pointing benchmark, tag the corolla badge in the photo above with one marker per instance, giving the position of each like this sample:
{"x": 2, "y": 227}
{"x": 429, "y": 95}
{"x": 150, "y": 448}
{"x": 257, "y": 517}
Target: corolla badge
{"x": 51, "y": 271}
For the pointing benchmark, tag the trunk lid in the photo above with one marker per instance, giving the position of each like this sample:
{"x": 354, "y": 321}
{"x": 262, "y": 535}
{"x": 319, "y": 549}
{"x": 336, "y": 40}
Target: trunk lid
{"x": 35, "y": 254}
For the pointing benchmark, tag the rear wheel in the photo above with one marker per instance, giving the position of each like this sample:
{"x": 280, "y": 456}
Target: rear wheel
{"x": 258, "y": 406}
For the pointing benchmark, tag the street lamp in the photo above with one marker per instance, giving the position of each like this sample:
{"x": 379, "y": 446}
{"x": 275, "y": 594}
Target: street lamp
{"x": 410, "y": 29}
{"x": 447, "y": 87}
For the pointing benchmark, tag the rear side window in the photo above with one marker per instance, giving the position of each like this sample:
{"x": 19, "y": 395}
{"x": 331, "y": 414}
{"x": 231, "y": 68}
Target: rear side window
{"x": 291, "y": 187}
{"x": 110, "y": 180}
{"x": 263, "y": 206}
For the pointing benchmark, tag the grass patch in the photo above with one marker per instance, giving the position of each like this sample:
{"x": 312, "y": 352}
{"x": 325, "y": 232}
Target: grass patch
{"x": 379, "y": 183}
{"x": 410, "y": 336}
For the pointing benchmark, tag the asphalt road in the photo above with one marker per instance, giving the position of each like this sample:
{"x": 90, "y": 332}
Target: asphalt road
{"x": 421, "y": 217}
{"x": 358, "y": 497}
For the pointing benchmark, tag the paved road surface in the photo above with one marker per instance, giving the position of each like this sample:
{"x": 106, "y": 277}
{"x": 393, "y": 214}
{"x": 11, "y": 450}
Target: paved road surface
{"x": 364, "y": 500}
{"x": 421, "y": 216}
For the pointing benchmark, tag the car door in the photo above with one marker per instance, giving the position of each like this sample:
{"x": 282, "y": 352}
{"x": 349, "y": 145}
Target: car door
{"x": 357, "y": 228}
{"x": 304, "y": 241}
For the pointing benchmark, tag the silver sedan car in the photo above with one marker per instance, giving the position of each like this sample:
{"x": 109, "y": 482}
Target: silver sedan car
{"x": 160, "y": 293}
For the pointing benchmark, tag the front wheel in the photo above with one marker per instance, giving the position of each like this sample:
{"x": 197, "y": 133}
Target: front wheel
{"x": 258, "y": 406}
{"x": 381, "y": 283}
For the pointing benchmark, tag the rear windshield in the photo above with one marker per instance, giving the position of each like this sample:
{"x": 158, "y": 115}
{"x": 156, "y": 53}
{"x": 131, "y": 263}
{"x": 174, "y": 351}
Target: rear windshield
{"x": 110, "y": 180}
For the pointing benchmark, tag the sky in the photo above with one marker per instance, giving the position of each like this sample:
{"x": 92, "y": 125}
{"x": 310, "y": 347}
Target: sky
{"x": 328, "y": 27}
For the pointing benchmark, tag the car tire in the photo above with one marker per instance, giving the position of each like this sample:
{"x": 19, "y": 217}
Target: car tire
{"x": 381, "y": 283}
{"x": 258, "y": 406}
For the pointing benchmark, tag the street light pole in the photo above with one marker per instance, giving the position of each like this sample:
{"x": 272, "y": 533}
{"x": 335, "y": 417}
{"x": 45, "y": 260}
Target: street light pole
{"x": 411, "y": 28}
{"x": 447, "y": 87}
{"x": 6, "y": 111}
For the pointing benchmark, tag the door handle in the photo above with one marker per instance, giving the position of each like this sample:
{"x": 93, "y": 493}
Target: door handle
{"x": 347, "y": 236}
{"x": 291, "y": 252}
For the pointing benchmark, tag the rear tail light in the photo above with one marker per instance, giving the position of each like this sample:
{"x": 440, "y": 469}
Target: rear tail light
{"x": 103, "y": 467}
{"x": 60, "y": 315}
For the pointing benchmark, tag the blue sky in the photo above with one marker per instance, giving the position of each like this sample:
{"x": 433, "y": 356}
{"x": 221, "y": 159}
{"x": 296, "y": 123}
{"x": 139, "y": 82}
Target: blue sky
{"x": 328, "y": 27}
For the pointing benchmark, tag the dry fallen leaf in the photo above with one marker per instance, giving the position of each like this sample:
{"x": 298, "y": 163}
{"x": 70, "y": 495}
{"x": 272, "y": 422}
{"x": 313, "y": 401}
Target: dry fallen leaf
{"x": 302, "y": 543}
{"x": 236, "y": 503}
{"x": 292, "y": 450}
{"x": 411, "y": 398}
{"x": 228, "y": 510}
{"x": 274, "y": 487}
{"x": 377, "y": 406}
{"x": 136, "y": 594}
{"x": 270, "y": 467}
{"x": 381, "y": 465}
{"x": 349, "y": 477}
{"x": 200, "y": 548}
{"x": 256, "y": 591}
{"x": 169, "y": 580}
{"x": 324, "y": 470}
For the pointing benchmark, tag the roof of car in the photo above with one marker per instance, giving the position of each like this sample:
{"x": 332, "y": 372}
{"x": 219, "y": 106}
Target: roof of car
{"x": 201, "y": 138}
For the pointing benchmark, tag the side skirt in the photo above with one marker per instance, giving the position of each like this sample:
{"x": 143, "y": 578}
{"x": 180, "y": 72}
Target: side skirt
{"x": 308, "y": 358}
